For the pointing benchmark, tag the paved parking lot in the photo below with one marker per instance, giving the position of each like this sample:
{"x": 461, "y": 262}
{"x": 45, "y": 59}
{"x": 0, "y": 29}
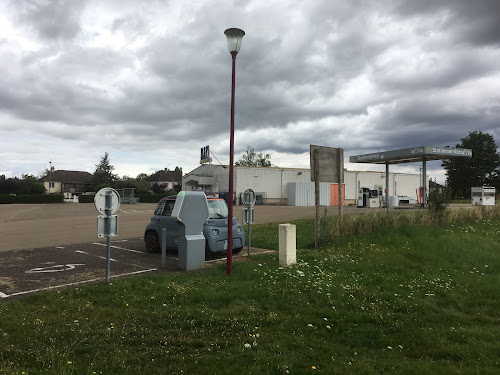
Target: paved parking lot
{"x": 50, "y": 246}
{"x": 33, "y": 270}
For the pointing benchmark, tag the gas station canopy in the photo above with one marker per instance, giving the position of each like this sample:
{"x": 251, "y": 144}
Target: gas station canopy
{"x": 412, "y": 155}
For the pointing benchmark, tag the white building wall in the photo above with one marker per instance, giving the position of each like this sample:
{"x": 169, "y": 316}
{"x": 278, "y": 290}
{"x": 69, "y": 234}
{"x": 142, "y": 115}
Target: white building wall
{"x": 274, "y": 181}
{"x": 56, "y": 189}
{"x": 302, "y": 194}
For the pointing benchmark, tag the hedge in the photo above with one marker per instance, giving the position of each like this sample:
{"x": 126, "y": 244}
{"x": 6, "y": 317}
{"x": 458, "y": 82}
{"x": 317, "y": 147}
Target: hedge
{"x": 150, "y": 198}
{"x": 86, "y": 199}
{"x": 36, "y": 198}
{"x": 143, "y": 198}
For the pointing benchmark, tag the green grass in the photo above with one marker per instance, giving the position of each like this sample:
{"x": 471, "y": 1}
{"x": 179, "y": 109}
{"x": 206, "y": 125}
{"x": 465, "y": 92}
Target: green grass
{"x": 409, "y": 300}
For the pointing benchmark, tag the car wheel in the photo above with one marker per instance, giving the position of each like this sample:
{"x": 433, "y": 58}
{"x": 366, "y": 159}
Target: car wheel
{"x": 236, "y": 251}
{"x": 152, "y": 242}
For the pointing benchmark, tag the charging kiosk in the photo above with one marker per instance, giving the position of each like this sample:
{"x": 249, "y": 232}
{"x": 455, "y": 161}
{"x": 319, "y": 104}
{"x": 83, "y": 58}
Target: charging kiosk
{"x": 191, "y": 211}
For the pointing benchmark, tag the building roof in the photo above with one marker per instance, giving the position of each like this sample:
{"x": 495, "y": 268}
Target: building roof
{"x": 166, "y": 175}
{"x": 69, "y": 176}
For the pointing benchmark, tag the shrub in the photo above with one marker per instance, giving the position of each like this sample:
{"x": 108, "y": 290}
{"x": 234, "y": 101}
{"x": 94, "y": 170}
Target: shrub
{"x": 33, "y": 199}
{"x": 86, "y": 198}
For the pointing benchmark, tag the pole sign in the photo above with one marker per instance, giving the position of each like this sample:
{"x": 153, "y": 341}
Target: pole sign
{"x": 107, "y": 202}
{"x": 101, "y": 226}
{"x": 248, "y": 198}
{"x": 100, "y": 200}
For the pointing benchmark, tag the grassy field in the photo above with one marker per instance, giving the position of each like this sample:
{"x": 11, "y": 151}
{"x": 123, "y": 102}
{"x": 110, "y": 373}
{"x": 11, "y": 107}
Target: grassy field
{"x": 416, "y": 299}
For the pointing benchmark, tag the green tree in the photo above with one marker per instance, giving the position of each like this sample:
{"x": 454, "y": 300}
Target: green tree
{"x": 9, "y": 185}
{"x": 481, "y": 169}
{"x": 103, "y": 174}
{"x": 28, "y": 185}
{"x": 251, "y": 159}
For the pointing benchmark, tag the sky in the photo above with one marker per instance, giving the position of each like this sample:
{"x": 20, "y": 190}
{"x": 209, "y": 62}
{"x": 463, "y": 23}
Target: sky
{"x": 149, "y": 82}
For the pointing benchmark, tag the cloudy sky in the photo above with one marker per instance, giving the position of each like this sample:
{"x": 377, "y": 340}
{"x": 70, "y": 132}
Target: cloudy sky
{"x": 149, "y": 81}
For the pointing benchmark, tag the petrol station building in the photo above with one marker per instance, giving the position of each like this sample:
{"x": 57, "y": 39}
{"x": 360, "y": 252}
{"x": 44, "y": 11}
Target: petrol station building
{"x": 411, "y": 155}
{"x": 293, "y": 186}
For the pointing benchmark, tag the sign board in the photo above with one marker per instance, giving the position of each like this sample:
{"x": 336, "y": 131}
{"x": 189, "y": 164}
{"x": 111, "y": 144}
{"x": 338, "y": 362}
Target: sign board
{"x": 248, "y": 198}
{"x": 205, "y": 155}
{"x": 329, "y": 168}
{"x": 248, "y": 216}
{"x": 100, "y": 200}
{"x": 101, "y": 226}
{"x": 411, "y": 155}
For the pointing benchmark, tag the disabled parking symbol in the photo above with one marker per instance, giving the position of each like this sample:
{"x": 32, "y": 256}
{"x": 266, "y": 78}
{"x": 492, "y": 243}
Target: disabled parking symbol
{"x": 56, "y": 268}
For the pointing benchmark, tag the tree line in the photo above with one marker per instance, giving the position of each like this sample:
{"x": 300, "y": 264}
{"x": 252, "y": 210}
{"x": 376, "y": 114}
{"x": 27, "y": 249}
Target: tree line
{"x": 482, "y": 169}
{"x": 103, "y": 176}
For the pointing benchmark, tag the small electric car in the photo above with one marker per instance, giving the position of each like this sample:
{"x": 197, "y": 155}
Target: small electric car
{"x": 214, "y": 230}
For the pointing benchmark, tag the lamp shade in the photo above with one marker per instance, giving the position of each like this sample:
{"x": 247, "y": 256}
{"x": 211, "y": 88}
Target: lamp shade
{"x": 234, "y": 37}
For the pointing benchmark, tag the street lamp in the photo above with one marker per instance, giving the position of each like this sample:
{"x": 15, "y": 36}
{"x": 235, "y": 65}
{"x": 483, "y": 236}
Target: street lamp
{"x": 234, "y": 38}
{"x": 50, "y": 176}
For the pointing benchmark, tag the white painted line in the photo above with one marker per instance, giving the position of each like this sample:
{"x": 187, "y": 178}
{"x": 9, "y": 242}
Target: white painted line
{"x": 59, "y": 247}
{"x": 75, "y": 283}
{"x": 117, "y": 247}
{"x": 97, "y": 256}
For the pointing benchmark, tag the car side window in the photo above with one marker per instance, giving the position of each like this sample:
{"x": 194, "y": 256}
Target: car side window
{"x": 169, "y": 206}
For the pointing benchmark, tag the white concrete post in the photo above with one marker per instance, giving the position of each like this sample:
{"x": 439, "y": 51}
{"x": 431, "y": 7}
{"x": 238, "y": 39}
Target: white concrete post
{"x": 288, "y": 244}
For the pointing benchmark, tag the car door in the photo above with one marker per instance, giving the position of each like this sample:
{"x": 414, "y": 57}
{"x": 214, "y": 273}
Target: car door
{"x": 165, "y": 220}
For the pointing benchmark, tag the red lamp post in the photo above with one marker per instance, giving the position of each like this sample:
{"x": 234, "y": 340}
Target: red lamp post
{"x": 234, "y": 38}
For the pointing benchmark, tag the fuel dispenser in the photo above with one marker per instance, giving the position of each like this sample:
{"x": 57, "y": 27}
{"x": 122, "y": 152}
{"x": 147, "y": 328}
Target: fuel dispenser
{"x": 374, "y": 199}
{"x": 363, "y": 196}
{"x": 370, "y": 198}
{"x": 191, "y": 211}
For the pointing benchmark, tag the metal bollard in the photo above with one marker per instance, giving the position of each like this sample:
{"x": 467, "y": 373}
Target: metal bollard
{"x": 164, "y": 248}
{"x": 287, "y": 244}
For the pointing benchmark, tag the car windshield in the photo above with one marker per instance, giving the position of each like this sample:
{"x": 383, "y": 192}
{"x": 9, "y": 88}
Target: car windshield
{"x": 217, "y": 208}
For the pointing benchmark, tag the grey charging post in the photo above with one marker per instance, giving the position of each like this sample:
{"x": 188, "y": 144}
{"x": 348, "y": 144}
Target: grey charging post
{"x": 248, "y": 202}
{"x": 191, "y": 211}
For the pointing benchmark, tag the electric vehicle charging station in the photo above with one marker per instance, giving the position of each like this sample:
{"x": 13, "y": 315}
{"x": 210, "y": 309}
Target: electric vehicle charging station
{"x": 191, "y": 211}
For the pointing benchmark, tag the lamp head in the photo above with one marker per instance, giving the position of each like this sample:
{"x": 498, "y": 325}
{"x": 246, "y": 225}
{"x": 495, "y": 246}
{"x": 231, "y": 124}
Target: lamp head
{"x": 234, "y": 37}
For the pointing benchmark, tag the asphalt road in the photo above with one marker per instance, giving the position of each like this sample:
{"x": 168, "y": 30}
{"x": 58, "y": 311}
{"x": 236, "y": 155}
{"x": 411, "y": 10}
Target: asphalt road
{"x": 29, "y": 226}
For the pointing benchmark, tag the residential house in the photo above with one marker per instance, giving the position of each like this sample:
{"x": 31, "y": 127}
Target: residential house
{"x": 75, "y": 182}
{"x": 166, "y": 179}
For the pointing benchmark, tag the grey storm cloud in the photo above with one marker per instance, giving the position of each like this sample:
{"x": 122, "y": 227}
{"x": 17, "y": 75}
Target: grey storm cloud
{"x": 364, "y": 75}
{"x": 51, "y": 20}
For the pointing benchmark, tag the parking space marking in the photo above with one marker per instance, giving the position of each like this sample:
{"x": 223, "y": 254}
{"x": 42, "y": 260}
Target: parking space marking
{"x": 119, "y": 248}
{"x": 3, "y": 295}
{"x": 97, "y": 256}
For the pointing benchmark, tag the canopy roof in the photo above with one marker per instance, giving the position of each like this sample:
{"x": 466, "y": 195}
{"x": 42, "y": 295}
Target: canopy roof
{"x": 412, "y": 155}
